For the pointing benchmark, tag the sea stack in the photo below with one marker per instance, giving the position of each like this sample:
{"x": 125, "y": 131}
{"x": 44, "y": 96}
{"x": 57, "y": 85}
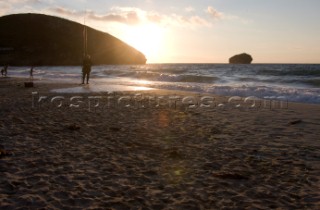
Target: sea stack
{"x": 37, "y": 39}
{"x": 243, "y": 58}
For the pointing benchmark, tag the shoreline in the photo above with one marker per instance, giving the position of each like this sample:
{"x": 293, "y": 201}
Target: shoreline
{"x": 50, "y": 85}
{"x": 155, "y": 158}
{"x": 214, "y": 80}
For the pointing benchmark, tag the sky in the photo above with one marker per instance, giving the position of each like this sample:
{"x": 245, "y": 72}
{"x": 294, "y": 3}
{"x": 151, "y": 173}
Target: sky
{"x": 199, "y": 31}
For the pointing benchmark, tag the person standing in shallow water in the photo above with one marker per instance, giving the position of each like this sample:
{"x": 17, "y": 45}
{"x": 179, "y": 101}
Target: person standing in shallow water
{"x": 31, "y": 72}
{"x": 4, "y": 71}
{"x": 86, "y": 68}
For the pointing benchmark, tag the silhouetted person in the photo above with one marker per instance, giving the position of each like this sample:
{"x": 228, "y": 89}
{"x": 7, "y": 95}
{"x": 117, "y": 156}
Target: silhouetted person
{"x": 86, "y": 68}
{"x": 5, "y": 70}
{"x": 31, "y": 72}
{"x": 2, "y": 71}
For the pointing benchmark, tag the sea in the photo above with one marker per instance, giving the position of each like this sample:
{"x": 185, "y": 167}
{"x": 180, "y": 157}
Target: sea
{"x": 290, "y": 82}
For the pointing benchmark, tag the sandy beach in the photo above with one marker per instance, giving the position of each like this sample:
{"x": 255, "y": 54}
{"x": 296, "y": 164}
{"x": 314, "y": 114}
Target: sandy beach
{"x": 74, "y": 151}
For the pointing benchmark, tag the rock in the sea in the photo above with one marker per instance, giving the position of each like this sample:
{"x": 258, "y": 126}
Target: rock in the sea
{"x": 243, "y": 58}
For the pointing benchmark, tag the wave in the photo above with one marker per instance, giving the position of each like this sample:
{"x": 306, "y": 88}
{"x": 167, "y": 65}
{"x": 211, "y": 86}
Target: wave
{"x": 312, "y": 82}
{"x": 160, "y": 76}
{"x": 162, "y": 68}
{"x": 299, "y": 83}
{"x": 303, "y": 95}
{"x": 294, "y": 70}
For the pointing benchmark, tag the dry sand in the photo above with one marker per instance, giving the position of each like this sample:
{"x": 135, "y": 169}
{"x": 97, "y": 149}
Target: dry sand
{"x": 155, "y": 157}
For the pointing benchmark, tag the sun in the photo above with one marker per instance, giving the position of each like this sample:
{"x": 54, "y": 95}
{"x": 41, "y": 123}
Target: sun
{"x": 148, "y": 39}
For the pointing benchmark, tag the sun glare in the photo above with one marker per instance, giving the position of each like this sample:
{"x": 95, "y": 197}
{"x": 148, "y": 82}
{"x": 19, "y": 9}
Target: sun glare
{"x": 148, "y": 39}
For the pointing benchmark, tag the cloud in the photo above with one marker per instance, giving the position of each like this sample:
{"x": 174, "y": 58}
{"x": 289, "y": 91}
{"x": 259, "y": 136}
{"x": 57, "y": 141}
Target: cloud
{"x": 198, "y": 20}
{"x": 222, "y": 16}
{"x": 154, "y": 17}
{"x": 23, "y": 1}
{"x": 21, "y": 6}
{"x": 134, "y": 16}
{"x": 120, "y": 15}
{"x": 183, "y": 21}
{"x": 189, "y": 9}
{"x": 214, "y": 13}
{"x": 129, "y": 18}
{"x": 4, "y": 8}
{"x": 123, "y": 15}
{"x": 64, "y": 11}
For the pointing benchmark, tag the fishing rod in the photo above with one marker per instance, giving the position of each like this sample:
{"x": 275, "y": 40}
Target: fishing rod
{"x": 85, "y": 38}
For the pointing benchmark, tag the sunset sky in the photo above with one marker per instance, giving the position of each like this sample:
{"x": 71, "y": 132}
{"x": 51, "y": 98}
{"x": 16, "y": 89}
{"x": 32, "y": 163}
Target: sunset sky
{"x": 202, "y": 31}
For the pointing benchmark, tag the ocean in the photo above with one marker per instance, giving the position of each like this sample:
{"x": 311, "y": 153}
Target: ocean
{"x": 290, "y": 82}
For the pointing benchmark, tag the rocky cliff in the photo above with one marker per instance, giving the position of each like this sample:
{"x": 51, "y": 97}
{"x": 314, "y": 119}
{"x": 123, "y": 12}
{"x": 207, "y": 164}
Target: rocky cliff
{"x": 36, "y": 39}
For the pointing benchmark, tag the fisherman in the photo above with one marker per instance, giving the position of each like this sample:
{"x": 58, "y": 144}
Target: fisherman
{"x": 31, "y": 72}
{"x": 4, "y": 71}
{"x": 86, "y": 68}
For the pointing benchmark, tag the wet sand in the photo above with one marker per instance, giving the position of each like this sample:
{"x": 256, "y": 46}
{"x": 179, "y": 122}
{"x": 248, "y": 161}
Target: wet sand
{"x": 141, "y": 154}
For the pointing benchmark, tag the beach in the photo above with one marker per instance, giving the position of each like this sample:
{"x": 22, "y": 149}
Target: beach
{"x": 154, "y": 149}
